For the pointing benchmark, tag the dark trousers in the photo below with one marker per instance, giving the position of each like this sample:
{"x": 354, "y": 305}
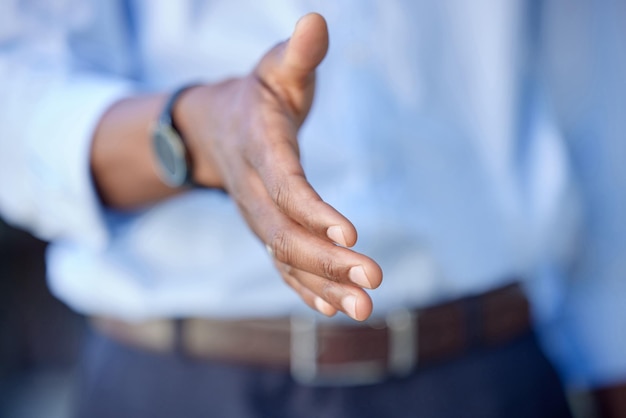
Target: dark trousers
{"x": 514, "y": 380}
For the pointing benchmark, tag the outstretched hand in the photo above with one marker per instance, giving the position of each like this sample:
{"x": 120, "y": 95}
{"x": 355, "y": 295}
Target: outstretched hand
{"x": 243, "y": 137}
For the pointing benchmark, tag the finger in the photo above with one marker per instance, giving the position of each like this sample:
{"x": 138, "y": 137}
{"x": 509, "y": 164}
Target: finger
{"x": 294, "y": 245}
{"x": 295, "y": 60}
{"x": 288, "y": 70}
{"x": 352, "y": 301}
{"x": 315, "y": 302}
{"x": 297, "y": 247}
{"x": 306, "y": 49}
{"x": 274, "y": 152}
{"x": 275, "y": 158}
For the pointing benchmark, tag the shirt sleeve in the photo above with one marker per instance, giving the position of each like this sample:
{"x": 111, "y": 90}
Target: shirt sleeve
{"x": 49, "y": 108}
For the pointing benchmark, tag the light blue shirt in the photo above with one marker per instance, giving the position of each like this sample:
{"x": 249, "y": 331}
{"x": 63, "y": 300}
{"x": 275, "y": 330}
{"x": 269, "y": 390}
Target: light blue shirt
{"x": 431, "y": 130}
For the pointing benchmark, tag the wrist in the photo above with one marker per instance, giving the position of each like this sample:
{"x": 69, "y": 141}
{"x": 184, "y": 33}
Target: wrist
{"x": 190, "y": 114}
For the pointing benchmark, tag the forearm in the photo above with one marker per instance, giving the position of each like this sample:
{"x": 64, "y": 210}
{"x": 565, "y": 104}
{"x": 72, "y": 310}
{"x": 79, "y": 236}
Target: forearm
{"x": 122, "y": 159}
{"x": 121, "y": 154}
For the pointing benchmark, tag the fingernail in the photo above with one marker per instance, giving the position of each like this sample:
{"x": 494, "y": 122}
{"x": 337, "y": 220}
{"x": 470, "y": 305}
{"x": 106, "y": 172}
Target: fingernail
{"x": 348, "y": 303}
{"x": 323, "y": 306}
{"x": 357, "y": 276}
{"x": 335, "y": 233}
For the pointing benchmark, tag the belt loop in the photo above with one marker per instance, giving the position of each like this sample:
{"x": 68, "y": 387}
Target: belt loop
{"x": 178, "y": 345}
{"x": 304, "y": 348}
{"x": 403, "y": 341}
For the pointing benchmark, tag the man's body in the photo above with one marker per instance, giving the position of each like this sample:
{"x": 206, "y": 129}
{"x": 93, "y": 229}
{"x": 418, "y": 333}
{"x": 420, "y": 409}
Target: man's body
{"x": 431, "y": 139}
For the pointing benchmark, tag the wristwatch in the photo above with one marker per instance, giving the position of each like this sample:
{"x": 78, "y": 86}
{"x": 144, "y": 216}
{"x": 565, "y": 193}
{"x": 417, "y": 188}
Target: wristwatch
{"x": 171, "y": 152}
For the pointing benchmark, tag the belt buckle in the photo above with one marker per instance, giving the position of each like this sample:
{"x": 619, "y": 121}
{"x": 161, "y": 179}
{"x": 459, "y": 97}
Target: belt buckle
{"x": 306, "y": 369}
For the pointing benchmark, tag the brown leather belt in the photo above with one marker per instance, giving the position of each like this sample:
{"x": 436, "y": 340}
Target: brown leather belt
{"x": 321, "y": 352}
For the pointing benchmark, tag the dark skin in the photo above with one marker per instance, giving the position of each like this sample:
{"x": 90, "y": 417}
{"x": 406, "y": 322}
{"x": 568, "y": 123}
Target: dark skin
{"x": 242, "y": 136}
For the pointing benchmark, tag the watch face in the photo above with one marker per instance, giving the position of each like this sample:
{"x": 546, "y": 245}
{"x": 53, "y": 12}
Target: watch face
{"x": 170, "y": 154}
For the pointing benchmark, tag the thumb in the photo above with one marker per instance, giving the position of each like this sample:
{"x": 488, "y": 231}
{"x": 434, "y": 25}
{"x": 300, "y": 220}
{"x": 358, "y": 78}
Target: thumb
{"x": 293, "y": 62}
{"x": 307, "y": 47}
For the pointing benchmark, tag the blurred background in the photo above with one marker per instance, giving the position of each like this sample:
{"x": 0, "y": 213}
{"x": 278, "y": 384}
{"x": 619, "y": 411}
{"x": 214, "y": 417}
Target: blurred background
{"x": 39, "y": 336}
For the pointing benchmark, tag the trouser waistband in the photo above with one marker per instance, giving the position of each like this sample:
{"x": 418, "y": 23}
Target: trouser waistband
{"x": 327, "y": 352}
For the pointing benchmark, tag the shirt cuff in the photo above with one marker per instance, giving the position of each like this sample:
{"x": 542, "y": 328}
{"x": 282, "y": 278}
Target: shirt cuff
{"x": 58, "y": 144}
